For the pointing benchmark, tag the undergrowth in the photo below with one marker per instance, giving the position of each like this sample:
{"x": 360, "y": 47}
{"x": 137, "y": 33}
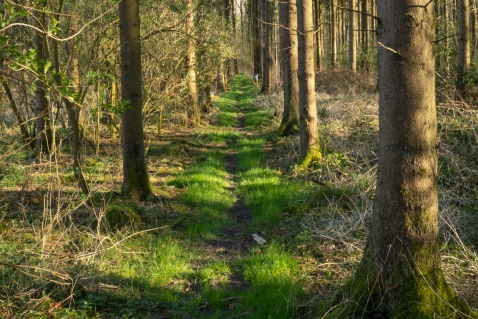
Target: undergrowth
{"x": 63, "y": 256}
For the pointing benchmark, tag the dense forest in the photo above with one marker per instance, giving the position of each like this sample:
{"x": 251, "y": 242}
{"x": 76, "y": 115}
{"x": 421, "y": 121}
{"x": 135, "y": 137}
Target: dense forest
{"x": 239, "y": 159}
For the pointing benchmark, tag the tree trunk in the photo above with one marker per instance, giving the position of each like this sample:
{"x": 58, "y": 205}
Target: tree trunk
{"x": 400, "y": 275}
{"x": 267, "y": 62}
{"x": 257, "y": 36}
{"x": 318, "y": 35}
{"x": 220, "y": 80}
{"x": 135, "y": 174}
{"x": 333, "y": 33}
{"x": 193, "y": 111}
{"x": 73, "y": 111}
{"x": 364, "y": 26}
{"x": 352, "y": 41}
{"x": 309, "y": 134}
{"x": 26, "y": 139}
{"x": 44, "y": 138}
{"x": 290, "y": 117}
{"x": 464, "y": 56}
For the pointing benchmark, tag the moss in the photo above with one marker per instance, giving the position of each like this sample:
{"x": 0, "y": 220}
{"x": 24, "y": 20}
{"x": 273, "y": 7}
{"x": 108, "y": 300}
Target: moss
{"x": 287, "y": 129}
{"x": 314, "y": 155}
{"x": 415, "y": 289}
{"x": 139, "y": 187}
{"x": 120, "y": 214}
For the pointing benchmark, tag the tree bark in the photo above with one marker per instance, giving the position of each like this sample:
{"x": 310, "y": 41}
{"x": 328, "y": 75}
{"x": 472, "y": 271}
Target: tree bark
{"x": 365, "y": 26}
{"x": 352, "y": 41}
{"x": 44, "y": 138}
{"x": 220, "y": 79}
{"x": 318, "y": 35}
{"x": 73, "y": 111}
{"x": 256, "y": 36}
{"x": 464, "y": 53}
{"x": 290, "y": 117}
{"x": 333, "y": 33}
{"x": 26, "y": 139}
{"x": 400, "y": 275}
{"x": 135, "y": 174}
{"x": 193, "y": 111}
{"x": 267, "y": 61}
{"x": 309, "y": 133}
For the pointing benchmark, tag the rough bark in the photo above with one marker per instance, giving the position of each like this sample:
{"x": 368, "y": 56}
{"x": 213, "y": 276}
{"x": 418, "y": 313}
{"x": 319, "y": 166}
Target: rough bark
{"x": 44, "y": 137}
{"x": 400, "y": 275}
{"x": 193, "y": 111}
{"x": 318, "y": 35}
{"x": 135, "y": 174}
{"x": 464, "y": 53}
{"x": 73, "y": 111}
{"x": 256, "y": 36}
{"x": 27, "y": 140}
{"x": 333, "y": 34}
{"x": 267, "y": 62}
{"x": 309, "y": 134}
{"x": 352, "y": 41}
{"x": 290, "y": 117}
{"x": 365, "y": 26}
{"x": 220, "y": 78}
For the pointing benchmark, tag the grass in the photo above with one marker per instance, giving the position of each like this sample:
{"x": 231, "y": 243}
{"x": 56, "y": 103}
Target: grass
{"x": 58, "y": 259}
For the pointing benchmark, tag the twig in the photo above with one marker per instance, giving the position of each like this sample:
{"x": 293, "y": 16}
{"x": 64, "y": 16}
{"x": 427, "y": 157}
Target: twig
{"x": 357, "y": 11}
{"x": 450, "y": 36}
{"x": 118, "y": 242}
{"x": 388, "y": 48}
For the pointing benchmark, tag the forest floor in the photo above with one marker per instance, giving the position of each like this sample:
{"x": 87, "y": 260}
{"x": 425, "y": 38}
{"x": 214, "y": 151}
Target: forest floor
{"x": 235, "y": 230}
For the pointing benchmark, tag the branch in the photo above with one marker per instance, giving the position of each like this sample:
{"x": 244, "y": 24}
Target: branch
{"x": 357, "y": 11}
{"x": 388, "y": 48}
{"x": 290, "y": 29}
{"x": 450, "y": 36}
{"x": 48, "y": 34}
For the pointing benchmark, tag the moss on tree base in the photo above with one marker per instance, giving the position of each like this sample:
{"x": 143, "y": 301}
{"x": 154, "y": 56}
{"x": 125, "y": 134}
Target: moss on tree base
{"x": 287, "y": 129}
{"x": 314, "y": 155}
{"x": 136, "y": 184}
{"x": 409, "y": 294}
{"x": 120, "y": 214}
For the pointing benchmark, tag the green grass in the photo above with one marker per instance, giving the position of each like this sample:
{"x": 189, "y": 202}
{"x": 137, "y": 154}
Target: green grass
{"x": 265, "y": 190}
{"x": 169, "y": 272}
{"x": 257, "y": 119}
{"x": 274, "y": 275}
{"x": 205, "y": 191}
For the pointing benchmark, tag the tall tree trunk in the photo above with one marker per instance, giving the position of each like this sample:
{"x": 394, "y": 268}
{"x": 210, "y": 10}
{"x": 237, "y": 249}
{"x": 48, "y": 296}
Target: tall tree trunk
{"x": 333, "y": 33}
{"x": 309, "y": 133}
{"x": 290, "y": 117}
{"x": 135, "y": 174}
{"x": 464, "y": 56}
{"x": 234, "y": 29}
{"x": 352, "y": 41}
{"x": 193, "y": 110}
{"x": 73, "y": 111}
{"x": 400, "y": 275}
{"x": 267, "y": 62}
{"x": 220, "y": 79}
{"x": 365, "y": 26}
{"x": 26, "y": 139}
{"x": 44, "y": 138}
{"x": 318, "y": 35}
{"x": 256, "y": 25}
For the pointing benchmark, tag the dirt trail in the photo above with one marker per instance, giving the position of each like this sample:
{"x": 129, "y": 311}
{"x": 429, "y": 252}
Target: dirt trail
{"x": 235, "y": 242}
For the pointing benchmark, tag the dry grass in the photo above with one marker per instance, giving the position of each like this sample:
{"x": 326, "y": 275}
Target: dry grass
{"x": 338, "y": 224}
